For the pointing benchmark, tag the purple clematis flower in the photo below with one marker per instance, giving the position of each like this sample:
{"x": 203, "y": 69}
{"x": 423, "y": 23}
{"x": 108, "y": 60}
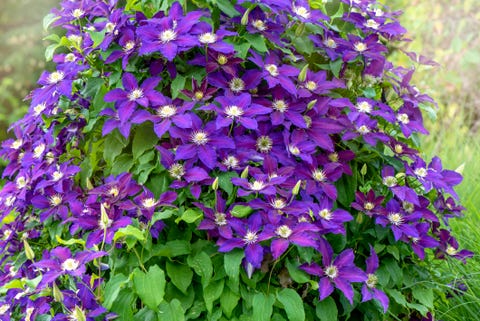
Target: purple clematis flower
{"x": 399, "y": 220}
{"x": 249, "y": 235}
{"x": 301, "y": 10}
{"x": 169, "y": 35}
{"x": 213, "y": 40}
{"x": 330, "y": 220}
{"x": 60, "y": 261}
{"x": 148, "y": 204}
{"x": 449, "y": 246}
{"x": 216, "y": 221}
{"x": 128, "y": 44}
{"x": 127, "y": 99}
{"x": 369, "y": 289}
{"x": 410, "y": 119}
{"x": 368, "y": 204}
{"x": 339, "y": 273}
{"x": 423, "y": 240}
{"x": 316, "y": 83}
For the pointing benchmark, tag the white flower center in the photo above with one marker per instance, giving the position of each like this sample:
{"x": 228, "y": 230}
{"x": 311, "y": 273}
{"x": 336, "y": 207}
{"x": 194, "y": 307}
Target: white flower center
{"x": 135, "y": 94}
{"x": 16, "y": 144}
{"x": 250, "y": 237}
{"x": 70, "y": 264}
{"x": 57, "y": 175}
{"x": 372, "y": 24}
{"x": 70, "y": 57}
{"x": 302, "y": 12}
{"x": 396, "y": 219}
{"x": 55, "y": 77}
{"x": 330, "y": 43}
{"x": 363, "y": 129}
{"x": 369, "y": 206}
{"x": 403, "y": 118}
{"x": 311, "y": 85}
{"x": 294, "y": 150}
{"x": 220, "y": 219}
{"x": 129, "y": 46}
{"x": 278, "y": 203}
{"x": 199, "y": 137}
{"x": 319, "y": 175}
{"x": 280, "y": 105}
{"x": 110, "y": 26}
{"x": 21, "y": 182}
{"x": 149, "y": 203}
{"x": 29, "y": 313}
{"x": 364, "y": 107}
{"x": 451, "y": 250}
{"x": 7, "y": 233}
{"x": 10, "y": 200}
{"x": 408, "y": 207}
{"x": 38, "y": 151}
{"x": 333, "y": 157}
{"x": 207, "y": 38}
{"x": 234, "y": 111}
{"x": 77, "y": 315}
{"x": 259, "y": 25}
{"x": 39, "y": 109}
{"x": 257, "y": 185}
{"x": 264, "y": 144}
{"x": 326, "y": 214}
{"x": 77, "y": 13}
{"x": 55, "y": 200}
{"x": 360, "y": 46}
{"x": 283, "y": 231}
{"x": 231, "y": 162}
{"x": 176, "y": 171}
{"x": 167, "y": 111}
{"x": 272, "y": 69}
{"x": 398, "y": 149}
{"x": 421, "y": 172}
{"x": 236, "y": 85}
{"x": 390, "y": 181}
{"x": 4, "y": 308}
{"x": 331, "y": 271}
{"x": 168, "y": 35}
{"x": 371, "y": 281}
{"x": 75, "y": 39}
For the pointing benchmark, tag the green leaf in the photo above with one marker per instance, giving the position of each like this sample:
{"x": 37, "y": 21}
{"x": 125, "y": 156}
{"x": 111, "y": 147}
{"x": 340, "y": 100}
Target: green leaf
{"x": 232, "y": 263}
{"x": 180, "y": 275}
{"x": 202, "y": 265}
{"x": 112, "y": 289}
{"x": 225, "y": 181}
{"x": 257, "y": 41}
{"x": 144, "y": 139}
{"x": 292, "y": 303}
{"x": 122, "y": 164}
{"x": 173, "y": 248}
{"x": 97, "y": 37}
{"x": 228, "y": 301}
{"x": 172, "y": 311}
{"x": 397, "y": 296}
{"x": 262, "y": 306}
{"x": 336, "y": 66}
{"x": 70, "y": 241}
{"x": 150, "y": 286}
{"x": 113, "y": 146}
{"x": 50, "y": 51}
{"x": 424, "y": 296}
{"x": 212, "y": 292}
{"x": 129, "y": 231}
{"x": 419, "y": 307}
{"x": 369, "y": 93}
{"x": 191, "y": 215}
{"x": 227, "y": 7}
{"x": 48, "y": 20}
{"x": 241, "y": 211}
{"x": 394, "y": 270}
{"x": 296, "y": 274}
{"x": 326, "y": 310}
{"x": 177, "y": 84}
{"x": 123, "y": 304}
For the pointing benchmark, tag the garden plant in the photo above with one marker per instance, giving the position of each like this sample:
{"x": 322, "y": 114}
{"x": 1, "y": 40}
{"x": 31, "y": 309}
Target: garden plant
{"x": 223, "y": 160}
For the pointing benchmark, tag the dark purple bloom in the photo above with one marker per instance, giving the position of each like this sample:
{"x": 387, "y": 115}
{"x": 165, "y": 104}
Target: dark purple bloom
{"x": 368, "y": 204}
{"x": 449, "y": 246}
{"x": 339, "y": 273}
{"x": 399, "y": 221}
{"x": 329, "y": 219}
{"x": 213, "y": 40}
{"x": 128, "y": 44}
{"x": 423, "y": 240}
{"x": 369, "y": 289}
{"x": 316, "y": 83}
{"x": 148, "y": 204}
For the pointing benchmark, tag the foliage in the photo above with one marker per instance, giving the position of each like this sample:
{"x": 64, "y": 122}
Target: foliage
{"x": 210, "y": 160}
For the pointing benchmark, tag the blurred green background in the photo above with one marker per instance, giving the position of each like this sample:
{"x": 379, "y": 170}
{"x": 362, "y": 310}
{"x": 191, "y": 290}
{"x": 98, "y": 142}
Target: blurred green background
{"x": 444, "y": 30}
{"x": 21, "y": 54}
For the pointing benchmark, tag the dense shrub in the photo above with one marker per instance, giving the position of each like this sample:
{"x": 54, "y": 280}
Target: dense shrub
{"x": 218, "y": 161}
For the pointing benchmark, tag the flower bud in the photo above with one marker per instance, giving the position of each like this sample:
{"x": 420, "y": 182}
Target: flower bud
{"x": 300, "y": 29}
{"x": 303, "y": 74}
{"x": 244, "y": 174}
{"x": 57, "y": 294}
{"x": 296, "y": 188}
{"x": 363, "y": 171}
{"x": 28, "y": 250}
{"x": 104, "y": 216}
{"x": 244, "y": 20}
{"x": 215, "y": 184}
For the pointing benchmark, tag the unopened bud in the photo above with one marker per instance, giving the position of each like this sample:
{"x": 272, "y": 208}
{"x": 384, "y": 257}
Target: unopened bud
{"x": 104, "y": 216}
{"x": 89, "y": 184}
{"x": 28, "y": 250}
{"x": 363, "y": 171}
{"x": 296, "y": 188}
{"x": 460, "y": 169}
{"x": 303, "y": 74}
{"x": 244, "y": 174}
{"x": 215, "y": 184}
{"x": 359, "y": 218}
{"x": 79, "y": 314}
{"x": 244, "y": 20}
{"x": 300, "y": 29}
{"x": 57, "y": 294}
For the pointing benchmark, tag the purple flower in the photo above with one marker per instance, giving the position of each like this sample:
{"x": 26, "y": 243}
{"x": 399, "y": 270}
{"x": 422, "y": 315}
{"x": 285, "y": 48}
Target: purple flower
{"x": 369, "y": 289}
{"x": 127, "y": 99}
{"x": 213, "y": 40}
{"x": 449, "y": 246}
{"x": 368, "y": 204}
{"x": 330, "y": 220}
{"x": 128, "y": 44}
{"x": 316, "y": 83}
{"x": 60, "y": 261}
{"x": 339, "y": 273}
{"x": 148, "y": 204}
{"x": 169, "y": 35}
{"x": 423, "y": 240}
{"x": 399, "y": 220}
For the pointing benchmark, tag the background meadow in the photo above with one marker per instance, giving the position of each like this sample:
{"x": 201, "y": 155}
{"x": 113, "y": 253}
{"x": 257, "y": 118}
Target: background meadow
{"x": 446, "y": 31}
